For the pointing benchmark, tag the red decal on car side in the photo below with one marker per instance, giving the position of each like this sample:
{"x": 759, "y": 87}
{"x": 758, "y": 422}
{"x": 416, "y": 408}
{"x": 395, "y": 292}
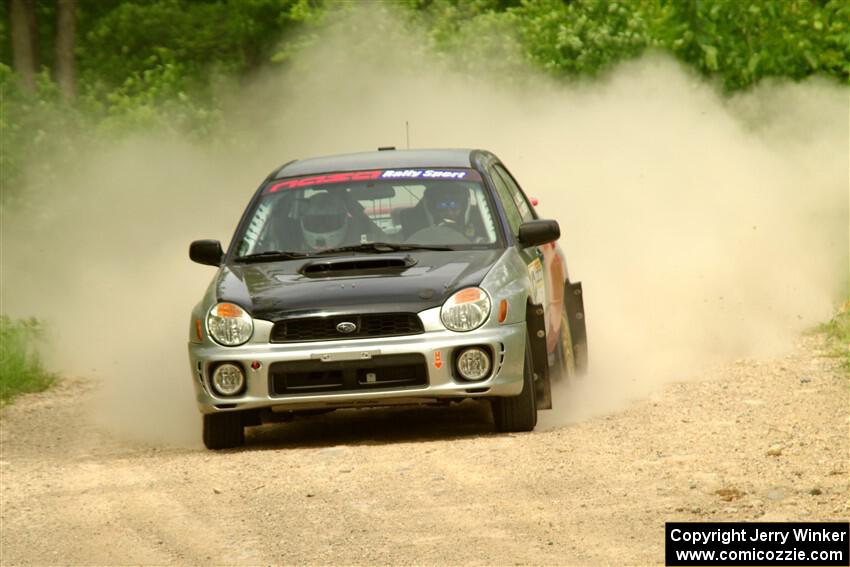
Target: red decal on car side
{"x": 438, "y": 359}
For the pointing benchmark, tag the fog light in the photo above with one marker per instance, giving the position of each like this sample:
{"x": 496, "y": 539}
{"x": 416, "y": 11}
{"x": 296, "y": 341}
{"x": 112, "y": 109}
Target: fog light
{"x": 473, "y": 363}
{"x": 228, "y": 379}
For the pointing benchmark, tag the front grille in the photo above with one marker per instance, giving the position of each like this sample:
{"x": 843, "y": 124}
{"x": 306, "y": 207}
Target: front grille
{"x": 314, "y": 376}
{"x": 325, "y": 328}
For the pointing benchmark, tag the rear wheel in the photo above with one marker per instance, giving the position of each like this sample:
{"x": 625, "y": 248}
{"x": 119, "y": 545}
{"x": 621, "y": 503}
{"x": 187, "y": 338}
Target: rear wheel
{"x": 224, "y": 430}
{"x": 518, "y": 413}
{"x": 566, "y": 352}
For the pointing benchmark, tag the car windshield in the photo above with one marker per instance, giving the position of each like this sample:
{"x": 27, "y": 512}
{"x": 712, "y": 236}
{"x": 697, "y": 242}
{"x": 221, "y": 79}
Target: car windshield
{"x": 439, "y": 208}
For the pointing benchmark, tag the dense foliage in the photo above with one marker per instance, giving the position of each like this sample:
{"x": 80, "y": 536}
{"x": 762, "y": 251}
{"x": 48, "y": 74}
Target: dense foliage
{"x": 837, "y": 332}
{"x": 21, "y": 369}
{"x": 145, "y": 63}
{"x": 738, "y": 42}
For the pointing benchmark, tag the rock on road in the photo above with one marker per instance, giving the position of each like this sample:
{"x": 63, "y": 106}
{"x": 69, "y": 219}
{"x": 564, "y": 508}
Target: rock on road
{"x": 758, "y": 440}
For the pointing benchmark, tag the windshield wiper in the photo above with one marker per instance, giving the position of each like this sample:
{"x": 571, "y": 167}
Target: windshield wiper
{"x": 382, "y": 247}
{"x": 271, "y": 255}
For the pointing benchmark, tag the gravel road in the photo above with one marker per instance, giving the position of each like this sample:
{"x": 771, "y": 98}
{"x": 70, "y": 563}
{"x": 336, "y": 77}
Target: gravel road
{"x": 764, "y": 440}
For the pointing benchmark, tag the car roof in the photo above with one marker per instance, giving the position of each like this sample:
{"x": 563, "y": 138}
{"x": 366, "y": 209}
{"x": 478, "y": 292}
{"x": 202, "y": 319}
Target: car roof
{"x": 383, "y": 159}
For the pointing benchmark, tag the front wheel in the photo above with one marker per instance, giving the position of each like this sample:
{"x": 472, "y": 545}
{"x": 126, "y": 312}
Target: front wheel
{"x": 518, "y": 413}
{"x": 224, "y": 430}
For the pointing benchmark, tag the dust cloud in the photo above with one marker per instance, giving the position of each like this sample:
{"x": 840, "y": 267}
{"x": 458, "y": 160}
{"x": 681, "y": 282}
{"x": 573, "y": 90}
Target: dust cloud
{"x": 704, "y": 228}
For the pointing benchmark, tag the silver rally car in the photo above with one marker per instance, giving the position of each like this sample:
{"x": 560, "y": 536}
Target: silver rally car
{"x": 384, "y": 278}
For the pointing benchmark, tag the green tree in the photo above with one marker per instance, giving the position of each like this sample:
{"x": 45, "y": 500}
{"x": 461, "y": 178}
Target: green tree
{"x": 738, "y": 41}
{"x": 745, "y": 41}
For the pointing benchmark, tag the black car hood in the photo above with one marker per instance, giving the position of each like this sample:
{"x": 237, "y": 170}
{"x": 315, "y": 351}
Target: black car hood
{"x": 420, "y": 280}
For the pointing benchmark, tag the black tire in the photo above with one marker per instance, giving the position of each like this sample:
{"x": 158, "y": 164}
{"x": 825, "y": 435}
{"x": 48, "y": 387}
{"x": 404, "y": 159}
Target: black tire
{"x": 224, "y": 430}
{"x": 518, "y": 413}
{"x": 580, "y": 351}
{"x": 566, "y": 369}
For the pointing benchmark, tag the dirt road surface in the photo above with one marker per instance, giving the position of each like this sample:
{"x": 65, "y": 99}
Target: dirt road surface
{"x": 764, "y": 440}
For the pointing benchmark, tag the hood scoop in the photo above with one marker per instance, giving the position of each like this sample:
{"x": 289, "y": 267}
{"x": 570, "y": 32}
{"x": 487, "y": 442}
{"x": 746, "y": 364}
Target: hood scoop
{"x": 356, "y": 265}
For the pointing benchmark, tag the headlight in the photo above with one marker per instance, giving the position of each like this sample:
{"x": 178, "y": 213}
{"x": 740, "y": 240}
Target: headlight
{"x": 229, "y": 324}
{"x": 466, "y": 310}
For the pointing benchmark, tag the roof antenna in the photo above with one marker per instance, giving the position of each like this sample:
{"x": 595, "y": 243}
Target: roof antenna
{"x": 407, "y": 132}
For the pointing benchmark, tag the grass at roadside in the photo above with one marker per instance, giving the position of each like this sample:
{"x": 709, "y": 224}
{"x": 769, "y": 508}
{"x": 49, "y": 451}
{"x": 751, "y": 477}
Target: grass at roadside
{"x": 21, "y": 369}
{"x": 838, "y": 333}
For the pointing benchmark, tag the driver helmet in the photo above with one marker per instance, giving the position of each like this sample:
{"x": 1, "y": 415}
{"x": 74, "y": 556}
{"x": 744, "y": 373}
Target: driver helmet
{"x": 324, "y": 221}
{"x": 448, "y": 204}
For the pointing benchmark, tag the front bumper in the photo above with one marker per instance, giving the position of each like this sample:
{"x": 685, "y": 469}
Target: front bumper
{"x": 506, "y": 344}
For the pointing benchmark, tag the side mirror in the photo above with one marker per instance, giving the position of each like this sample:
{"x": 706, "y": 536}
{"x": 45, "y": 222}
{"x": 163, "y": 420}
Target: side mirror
{"x": 206, "y": 252}
{"x": 537, "y": 232}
